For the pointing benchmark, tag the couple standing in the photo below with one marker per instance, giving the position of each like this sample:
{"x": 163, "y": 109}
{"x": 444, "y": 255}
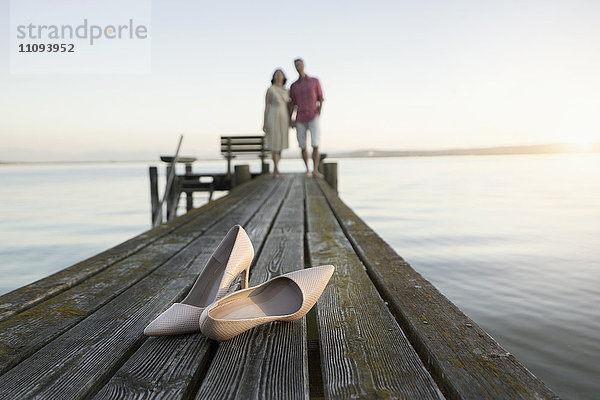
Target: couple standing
{"x": 306, "y": 97}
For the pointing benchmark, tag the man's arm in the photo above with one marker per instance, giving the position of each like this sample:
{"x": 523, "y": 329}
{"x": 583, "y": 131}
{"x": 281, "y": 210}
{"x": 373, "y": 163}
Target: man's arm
{"x": 320, "y": 98}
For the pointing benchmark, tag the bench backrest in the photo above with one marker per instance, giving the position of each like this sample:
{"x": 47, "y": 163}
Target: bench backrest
{"x": 238, "y": 145}
{"x": 234, "y": 145}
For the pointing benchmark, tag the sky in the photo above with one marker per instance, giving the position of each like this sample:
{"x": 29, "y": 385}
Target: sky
{"x": 396, "y": 75}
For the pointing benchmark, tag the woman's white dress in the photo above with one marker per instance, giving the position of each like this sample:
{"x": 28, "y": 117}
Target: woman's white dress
{"x": 277, "y": 121}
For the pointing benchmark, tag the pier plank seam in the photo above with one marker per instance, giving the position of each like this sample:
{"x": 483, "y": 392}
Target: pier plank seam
{"x": 464, "y": 359}
{"x": 20, "y": 299}
{"x": 269, "y": 361}
{"x": 26, "y": 332}
{"x": 82, "y": 359}
{"x": 364, "y": 353}
{"x": 174, "y": 376}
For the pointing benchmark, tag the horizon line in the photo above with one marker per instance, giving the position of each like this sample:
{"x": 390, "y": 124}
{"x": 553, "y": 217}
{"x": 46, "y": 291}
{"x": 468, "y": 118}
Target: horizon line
{"x": 547, "y": 148}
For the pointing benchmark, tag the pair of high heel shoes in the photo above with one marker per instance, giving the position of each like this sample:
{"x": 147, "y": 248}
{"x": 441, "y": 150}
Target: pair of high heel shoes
{"x": 207, "y": 309}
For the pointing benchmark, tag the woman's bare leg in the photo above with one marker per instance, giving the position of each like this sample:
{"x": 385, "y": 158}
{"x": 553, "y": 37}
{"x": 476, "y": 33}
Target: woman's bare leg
{"x": 276, "y": 158}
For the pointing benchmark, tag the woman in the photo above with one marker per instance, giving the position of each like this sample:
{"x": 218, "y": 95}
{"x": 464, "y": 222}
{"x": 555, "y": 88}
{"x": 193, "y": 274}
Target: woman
{"x": 277, "y": 118}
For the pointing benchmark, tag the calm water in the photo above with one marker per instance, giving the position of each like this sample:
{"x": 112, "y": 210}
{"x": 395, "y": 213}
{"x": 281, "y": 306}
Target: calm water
{"x": 512, "y": 240}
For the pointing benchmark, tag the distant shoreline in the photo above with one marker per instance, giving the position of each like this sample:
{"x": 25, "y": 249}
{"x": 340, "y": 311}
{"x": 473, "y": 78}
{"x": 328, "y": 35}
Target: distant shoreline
{"x": 558, "y": 148}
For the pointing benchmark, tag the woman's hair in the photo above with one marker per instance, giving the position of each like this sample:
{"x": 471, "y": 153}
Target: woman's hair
{"x": 273, "y": 78}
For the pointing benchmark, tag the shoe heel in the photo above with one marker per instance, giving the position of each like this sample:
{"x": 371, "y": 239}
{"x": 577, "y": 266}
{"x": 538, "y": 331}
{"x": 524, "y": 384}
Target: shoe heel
{"x": 244, "y": 276}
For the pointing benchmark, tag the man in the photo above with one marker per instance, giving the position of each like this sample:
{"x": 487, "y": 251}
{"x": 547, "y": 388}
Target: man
{"x": 307, "y": 99}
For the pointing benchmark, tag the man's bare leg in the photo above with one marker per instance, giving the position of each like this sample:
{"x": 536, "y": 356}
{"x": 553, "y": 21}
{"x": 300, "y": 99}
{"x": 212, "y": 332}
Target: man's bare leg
{"x": 315, "y": 158}
{"x": 305, "y": 158}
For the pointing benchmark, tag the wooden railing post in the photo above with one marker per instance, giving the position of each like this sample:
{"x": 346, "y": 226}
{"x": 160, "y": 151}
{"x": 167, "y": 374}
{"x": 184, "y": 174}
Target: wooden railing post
{"x": 189, "y": 196}
{"x": 242, "y": 174}
{"x": 322, "y": 157}
{"x": 331, "y": 176}
{"x": 169, "y": 195}
{"x": 153, "y": 192}
{"x": 229, "y": 157}
{"x": 170, "y": 179}
{"x": 265, "y": 168}
{"x": 173, "y": 195}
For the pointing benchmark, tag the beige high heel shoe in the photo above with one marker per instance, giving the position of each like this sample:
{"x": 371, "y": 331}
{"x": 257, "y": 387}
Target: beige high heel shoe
{"x": 287, "y": 297}
{"x": 231, "y": 258}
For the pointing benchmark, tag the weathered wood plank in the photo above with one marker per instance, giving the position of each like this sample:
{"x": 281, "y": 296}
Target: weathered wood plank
{"x": 364, "y": 352}
{"x": 269, "y": 361}
{"x": 80, "y": 361}
{"x": 173, "y": 375}
{"x": 465, "y": 360}
{"x": 27, "y": 296}
{"x": 24, "y": 333}
{"x": 184, "y": 358}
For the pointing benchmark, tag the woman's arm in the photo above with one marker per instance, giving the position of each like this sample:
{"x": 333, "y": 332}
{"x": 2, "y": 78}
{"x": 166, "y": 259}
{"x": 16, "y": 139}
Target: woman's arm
{"x": 292, "y": 105}
{"x": 266, "y": 110}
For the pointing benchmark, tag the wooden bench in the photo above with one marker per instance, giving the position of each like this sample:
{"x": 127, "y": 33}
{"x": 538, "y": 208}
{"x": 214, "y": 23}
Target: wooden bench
{"x": 78, "y": 333}
{"x": 232, "y": 146}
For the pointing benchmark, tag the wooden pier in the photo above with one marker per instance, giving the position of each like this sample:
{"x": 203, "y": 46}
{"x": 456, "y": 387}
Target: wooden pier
{"x": 380, "y": 330}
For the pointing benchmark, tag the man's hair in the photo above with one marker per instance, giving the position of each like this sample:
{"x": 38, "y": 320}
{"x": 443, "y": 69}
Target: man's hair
{"x": 298, "y": 59}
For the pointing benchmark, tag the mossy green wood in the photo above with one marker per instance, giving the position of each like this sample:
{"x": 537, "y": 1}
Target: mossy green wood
{"x": 364, "y": 353}
{"x": 83, "y": 358}
{"x": 24, "y": 333}
{"x": 27, "y": 296}
{"x": 465, "y": 360}
{"x": 171, "y": 366}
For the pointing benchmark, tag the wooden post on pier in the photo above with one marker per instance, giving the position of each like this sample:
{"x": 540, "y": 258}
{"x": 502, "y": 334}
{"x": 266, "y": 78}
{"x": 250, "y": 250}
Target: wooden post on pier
{"x": 241, "y": 174}
{"x": 266, "y": 168}
{"x": 322, "y": 156}
{"x": 173, "y": 196}
{"x": 189, "y": 196}
{"x": 168, "y": 196}
{"x": 331, "y": 176}
{"x": 154, "y": 192}
{"x": 176, "y": 192}
{"x": 229, "y": 157}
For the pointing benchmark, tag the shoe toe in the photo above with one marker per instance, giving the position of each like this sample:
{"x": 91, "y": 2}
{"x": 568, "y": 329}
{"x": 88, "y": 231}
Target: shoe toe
{"x": 312, "y": 282}
{"x": 178, "y": 319}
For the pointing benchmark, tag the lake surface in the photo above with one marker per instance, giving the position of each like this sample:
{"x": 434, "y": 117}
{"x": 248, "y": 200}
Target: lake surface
{"x": 512, "y": 240}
